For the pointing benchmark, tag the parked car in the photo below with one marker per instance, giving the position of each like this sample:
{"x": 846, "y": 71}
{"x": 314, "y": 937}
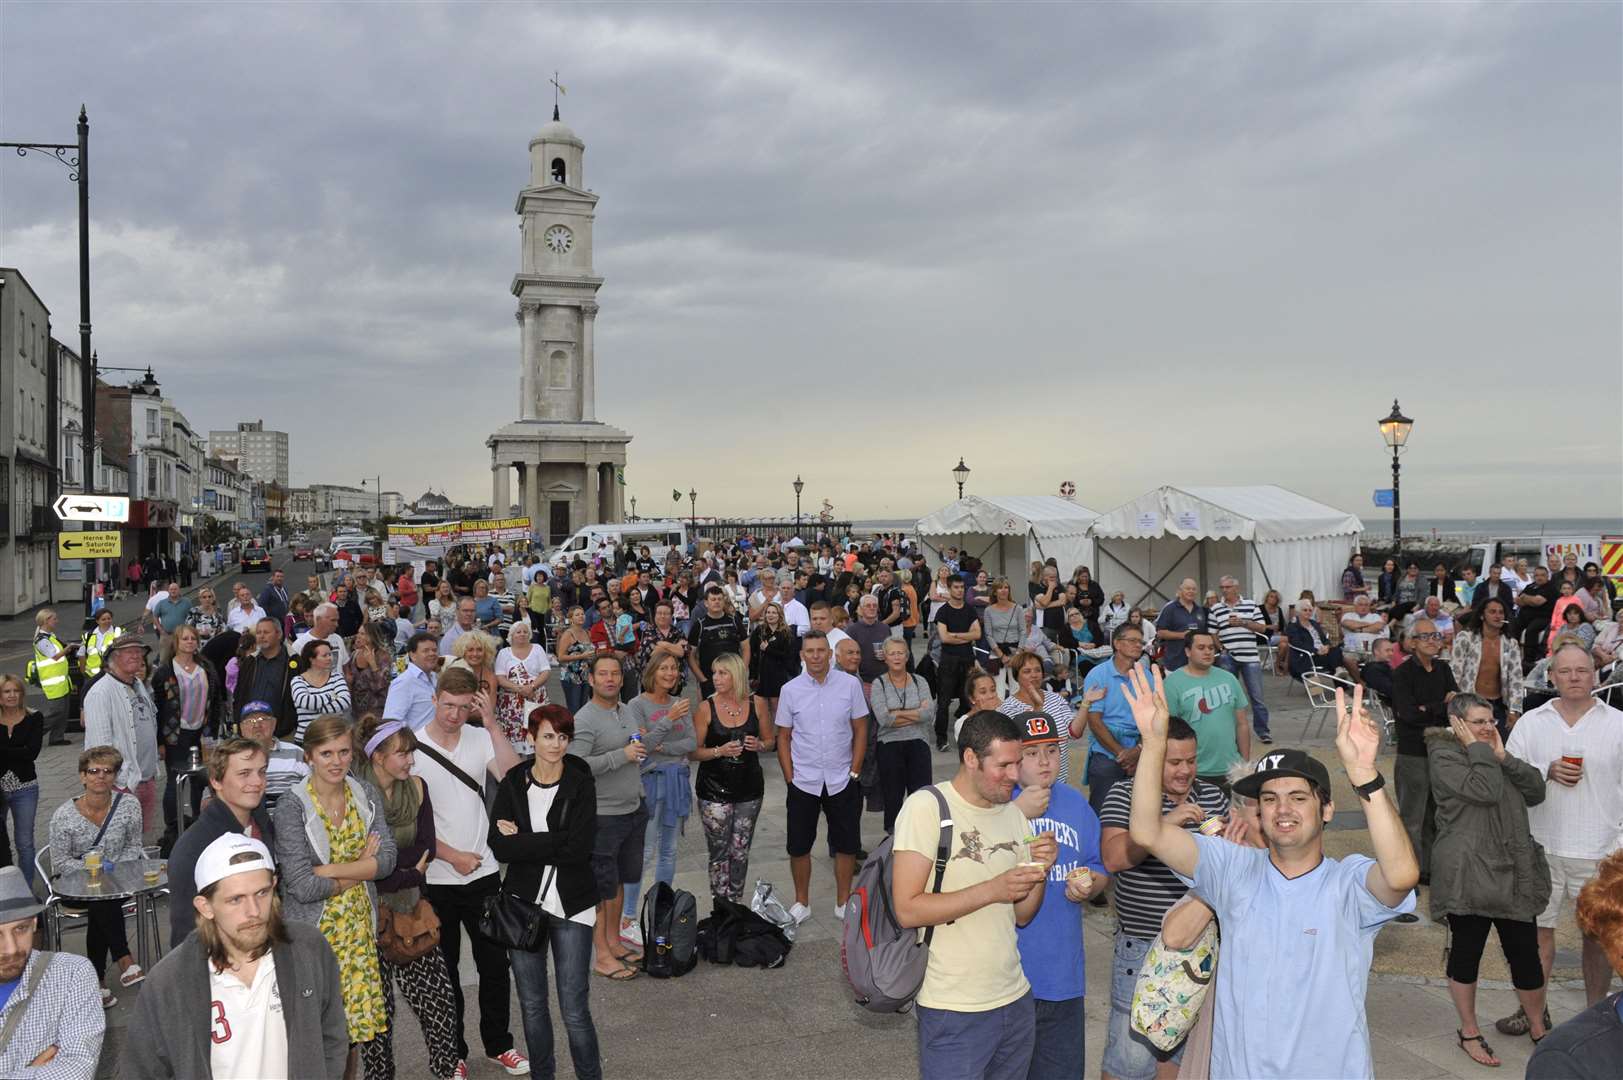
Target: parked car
{"x": 256, "y": 556}
{"x": 304, "y": 552}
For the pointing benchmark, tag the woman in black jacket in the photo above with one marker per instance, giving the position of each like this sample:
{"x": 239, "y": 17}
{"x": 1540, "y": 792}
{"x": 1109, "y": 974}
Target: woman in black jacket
{"x": 543, "y": 825}
{"x": 190, "y": 695}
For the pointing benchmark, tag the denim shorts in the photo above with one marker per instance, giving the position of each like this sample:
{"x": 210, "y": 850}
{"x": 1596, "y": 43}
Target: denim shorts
{"x": 1129, "y": 1055}
{"x": 617, "y": 850}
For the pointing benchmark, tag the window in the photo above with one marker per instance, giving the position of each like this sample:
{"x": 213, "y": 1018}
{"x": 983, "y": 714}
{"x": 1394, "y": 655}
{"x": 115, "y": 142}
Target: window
{"x": 560, "y": 175}
{"x": 152, "y": 423}
{"x": 152, "y": 476}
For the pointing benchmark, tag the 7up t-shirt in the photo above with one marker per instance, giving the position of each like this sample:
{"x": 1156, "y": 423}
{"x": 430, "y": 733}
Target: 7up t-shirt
{"x": 1208, "y": 703}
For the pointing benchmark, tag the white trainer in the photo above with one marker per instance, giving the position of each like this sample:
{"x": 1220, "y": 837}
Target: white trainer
{"x": 799, "y": 913}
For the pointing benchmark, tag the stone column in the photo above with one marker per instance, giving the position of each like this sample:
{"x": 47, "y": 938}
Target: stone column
{"x": 500, "y": 499}
{"x": 608, "y": 492}
{"x": 523, "y": 487}
{"x": 529, "y": 377}
{"x": 589, "y": 497}
{"x": 532, "y": 495}
{"x": 588, "y": 393}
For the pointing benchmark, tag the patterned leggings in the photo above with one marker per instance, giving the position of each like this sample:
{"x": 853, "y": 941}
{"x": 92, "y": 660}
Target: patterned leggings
{"x": 427, "y": 989}
{"x": 728, "y": 830}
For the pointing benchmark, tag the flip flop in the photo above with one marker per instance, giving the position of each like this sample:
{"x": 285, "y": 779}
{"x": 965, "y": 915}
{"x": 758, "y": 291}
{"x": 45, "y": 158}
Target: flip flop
{"x": 625, "y": 974}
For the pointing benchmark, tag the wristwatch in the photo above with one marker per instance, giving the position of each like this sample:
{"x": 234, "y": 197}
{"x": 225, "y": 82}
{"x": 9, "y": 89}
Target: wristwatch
{"x": 856, "y": 776}
{"x": 1366, "y": 790}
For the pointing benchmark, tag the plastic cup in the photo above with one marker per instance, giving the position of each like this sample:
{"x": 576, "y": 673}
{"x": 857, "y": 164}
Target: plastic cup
{"x": 93, "y": 862}
{"x": 1212, "y": 826}
{"x": 1572, "y": 753}
{"x": 151, "y": 864}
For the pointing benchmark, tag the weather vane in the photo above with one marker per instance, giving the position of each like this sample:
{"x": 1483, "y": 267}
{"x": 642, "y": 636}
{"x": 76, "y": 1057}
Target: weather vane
{"x": 557, "y": 88}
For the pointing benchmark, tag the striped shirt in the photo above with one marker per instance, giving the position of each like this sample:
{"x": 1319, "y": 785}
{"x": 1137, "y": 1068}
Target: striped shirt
{"x": 1145, "y": 892}
{"x": 1237, "y": 641}
{"x": 284, "y": 768}
{"x": 313, "y": 701}
{"x": 1059, "y": 713}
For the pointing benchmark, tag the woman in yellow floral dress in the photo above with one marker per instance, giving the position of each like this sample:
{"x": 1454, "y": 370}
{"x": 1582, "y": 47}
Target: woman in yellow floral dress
{"x": 332, "y": 843}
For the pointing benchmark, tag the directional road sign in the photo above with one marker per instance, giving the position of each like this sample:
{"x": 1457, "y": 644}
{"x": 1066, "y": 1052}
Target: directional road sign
{"x": 89, "y": 545}
{"x": 1383, "y": 497}
{"x": 93, "y": 508}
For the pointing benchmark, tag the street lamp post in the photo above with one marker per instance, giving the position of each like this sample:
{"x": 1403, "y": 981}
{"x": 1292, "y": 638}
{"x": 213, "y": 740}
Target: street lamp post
{"x": 633, "y": 508}
{"x": 76, "y": 157}
{"x": 378, "y": 480}
{"x": 693, "y": 519}
{"x": 800, "y": 485}
{"x": 960, "y": 474}
{"x": 1395, "y": 430}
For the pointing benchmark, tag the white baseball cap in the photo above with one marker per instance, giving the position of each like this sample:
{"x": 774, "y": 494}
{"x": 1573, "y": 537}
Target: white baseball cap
{"x": 232, "y": 853}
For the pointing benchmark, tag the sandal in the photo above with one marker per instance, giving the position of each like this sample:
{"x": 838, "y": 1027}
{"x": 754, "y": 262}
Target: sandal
{"x": 132, "y": 975}
{"x": 1479, "y": 1040}
{"x": 625, "y": 974}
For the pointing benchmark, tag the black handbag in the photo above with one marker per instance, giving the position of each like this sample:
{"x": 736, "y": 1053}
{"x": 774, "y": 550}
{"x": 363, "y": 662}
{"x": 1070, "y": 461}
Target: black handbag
{"x": 511, "y": 921}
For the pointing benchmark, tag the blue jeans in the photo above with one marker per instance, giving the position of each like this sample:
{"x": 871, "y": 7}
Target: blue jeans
{"x": 1103, "y": 774}
{"x": 22, "y": 805}
{"x": 658, "y": 847}
{"x": 1060, "y": 1048}
{"x": 990, "y": 1045}
{"x": 1129, "y": 1055}
{"x": 1250, "y": 675}
{"x": 571, "y": 945}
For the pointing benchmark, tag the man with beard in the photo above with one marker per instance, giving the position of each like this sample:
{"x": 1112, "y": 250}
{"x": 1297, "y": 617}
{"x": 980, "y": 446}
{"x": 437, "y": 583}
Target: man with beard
{"x": 1298, "y": 927}
{"x": 61, "y": 1022}
{"x": 977, "y": 1017}
{"x": 246, "y": 994}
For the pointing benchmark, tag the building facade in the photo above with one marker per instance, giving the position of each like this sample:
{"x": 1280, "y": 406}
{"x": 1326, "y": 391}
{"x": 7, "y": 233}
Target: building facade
{"x": 567, "y": 463}
{"x": 28, "y": 447}
{"x": 260, "y": 453}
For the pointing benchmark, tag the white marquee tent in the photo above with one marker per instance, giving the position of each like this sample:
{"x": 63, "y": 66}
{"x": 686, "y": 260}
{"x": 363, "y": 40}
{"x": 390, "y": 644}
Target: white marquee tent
{"x": 1266, "y": 536}
{"x": 1010, "y": 532}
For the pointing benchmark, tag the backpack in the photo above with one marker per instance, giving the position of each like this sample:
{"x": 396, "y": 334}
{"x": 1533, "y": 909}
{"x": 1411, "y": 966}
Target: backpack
{"x": 733, "y": 934}
{"x": 883, "y": 962}
{"x": 670, "y": 926}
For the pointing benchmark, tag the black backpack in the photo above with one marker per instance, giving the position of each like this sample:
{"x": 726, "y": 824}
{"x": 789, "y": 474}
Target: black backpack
{"x": 733, "y": 934}
{"x": 670, "y": 926}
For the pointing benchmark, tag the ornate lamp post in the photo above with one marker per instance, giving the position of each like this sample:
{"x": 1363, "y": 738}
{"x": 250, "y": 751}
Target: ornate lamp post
{"x": 1395, "y": 430}
{"x": 800, "y": 486}
{"x": 693, "y": 499}
{"x": 378, "y": 480}
{"x": 960, "y": 474}
{"x": 633, "y": 508}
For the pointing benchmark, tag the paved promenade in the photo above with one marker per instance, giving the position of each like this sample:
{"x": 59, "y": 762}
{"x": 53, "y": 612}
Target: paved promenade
{"x": 799, "y": 1021}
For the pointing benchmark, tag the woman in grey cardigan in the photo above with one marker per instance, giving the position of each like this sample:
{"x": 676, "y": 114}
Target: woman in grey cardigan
{"x": 901, "y": 701}
{"x": 1486, "y": 868}
{"x": 332, "y": 844}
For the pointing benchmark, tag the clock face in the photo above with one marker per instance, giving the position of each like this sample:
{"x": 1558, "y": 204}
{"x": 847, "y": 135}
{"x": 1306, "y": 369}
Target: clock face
{"x": 559, "y": 239}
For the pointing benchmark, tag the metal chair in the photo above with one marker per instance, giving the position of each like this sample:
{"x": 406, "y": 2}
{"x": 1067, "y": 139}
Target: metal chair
{"x": 1321, "y": 687}
{"x": 59, "y": 916}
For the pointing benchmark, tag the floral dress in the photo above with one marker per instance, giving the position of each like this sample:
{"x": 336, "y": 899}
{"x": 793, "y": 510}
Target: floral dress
{"x": 347, "y": 923}
{"x": 511, "y": 709}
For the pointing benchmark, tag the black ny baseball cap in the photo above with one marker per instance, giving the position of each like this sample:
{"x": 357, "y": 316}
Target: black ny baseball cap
{"x": 1277, "y": 764}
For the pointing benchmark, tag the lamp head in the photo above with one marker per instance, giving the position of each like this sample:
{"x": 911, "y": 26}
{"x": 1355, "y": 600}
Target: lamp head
{"x": 961, "y": 472}
{"x": 1395, "y": 428}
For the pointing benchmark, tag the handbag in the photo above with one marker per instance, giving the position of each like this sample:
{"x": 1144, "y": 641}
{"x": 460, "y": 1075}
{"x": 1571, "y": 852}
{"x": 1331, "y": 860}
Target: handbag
{"x": 511, "y": 921}
{"x": 410, "y": 935}
{"x": 1172, "y": 985}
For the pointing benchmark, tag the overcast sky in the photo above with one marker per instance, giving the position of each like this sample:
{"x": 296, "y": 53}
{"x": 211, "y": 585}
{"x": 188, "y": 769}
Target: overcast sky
{"x": 1118, "y": 245}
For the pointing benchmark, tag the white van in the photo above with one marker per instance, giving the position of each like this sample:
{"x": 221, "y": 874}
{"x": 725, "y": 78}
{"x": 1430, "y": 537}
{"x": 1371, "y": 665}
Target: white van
{"x": 661, "y": 537}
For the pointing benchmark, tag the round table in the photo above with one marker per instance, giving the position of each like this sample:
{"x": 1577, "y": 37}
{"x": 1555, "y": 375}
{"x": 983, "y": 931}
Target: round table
{"x": 117, "y": 881}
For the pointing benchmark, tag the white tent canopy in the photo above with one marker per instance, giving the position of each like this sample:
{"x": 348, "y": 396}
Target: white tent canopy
{"x": 1009, "y": 532}
{"x": 1266, "y": 536}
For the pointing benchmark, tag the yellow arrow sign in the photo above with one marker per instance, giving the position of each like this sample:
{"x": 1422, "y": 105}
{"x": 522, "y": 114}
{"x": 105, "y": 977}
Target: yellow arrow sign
{"x": 89, "y": 545}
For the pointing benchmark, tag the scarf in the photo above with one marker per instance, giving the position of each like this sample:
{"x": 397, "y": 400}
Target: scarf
{"x": 400, "y": 805}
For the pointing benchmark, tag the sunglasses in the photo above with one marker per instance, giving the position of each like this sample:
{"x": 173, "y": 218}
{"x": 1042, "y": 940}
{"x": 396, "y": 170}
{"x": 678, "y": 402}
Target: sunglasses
{"x": 100, "y": 770}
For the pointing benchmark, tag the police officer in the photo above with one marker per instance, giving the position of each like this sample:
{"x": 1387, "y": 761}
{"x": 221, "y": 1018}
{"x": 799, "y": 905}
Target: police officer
{"x": 49, "y": 669}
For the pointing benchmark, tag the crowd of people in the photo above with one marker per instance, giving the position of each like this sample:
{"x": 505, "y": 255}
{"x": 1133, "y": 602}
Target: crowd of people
{"x": 358, "y": 773}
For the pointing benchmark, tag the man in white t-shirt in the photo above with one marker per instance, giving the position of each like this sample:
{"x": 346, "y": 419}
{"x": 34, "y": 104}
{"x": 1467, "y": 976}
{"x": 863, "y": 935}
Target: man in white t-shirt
{"x": 323, "y": 627}
{"x": 977, "y": 1016}
{"x": 276, "y": 1006}
{"x": 794, "y": 612}
{"x": 1580, "y": 821}
{"x": 452, "y": 759}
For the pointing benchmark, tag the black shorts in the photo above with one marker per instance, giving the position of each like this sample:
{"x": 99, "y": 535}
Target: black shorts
{"x": 617, "y": 850}
{"x": 844, "y": 813}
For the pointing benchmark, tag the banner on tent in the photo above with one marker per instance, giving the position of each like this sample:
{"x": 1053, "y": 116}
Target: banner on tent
{"x": 450, "y": 533}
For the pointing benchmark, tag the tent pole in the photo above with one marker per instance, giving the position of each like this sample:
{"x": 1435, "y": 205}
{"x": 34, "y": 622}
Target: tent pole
{"x": 1175, "y": 564}
{"x": 1203, "y": 581}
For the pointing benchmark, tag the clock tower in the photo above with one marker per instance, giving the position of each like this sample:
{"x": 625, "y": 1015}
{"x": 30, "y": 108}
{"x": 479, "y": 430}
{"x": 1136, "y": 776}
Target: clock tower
{"x": 568, "y": 464}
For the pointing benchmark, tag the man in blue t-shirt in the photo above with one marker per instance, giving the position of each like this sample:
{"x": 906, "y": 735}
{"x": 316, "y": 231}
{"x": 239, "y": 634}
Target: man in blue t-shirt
{"x": 1298, "y": 927}
{"x": 1114, "y": 746}
{"x": 1051, "y": 943}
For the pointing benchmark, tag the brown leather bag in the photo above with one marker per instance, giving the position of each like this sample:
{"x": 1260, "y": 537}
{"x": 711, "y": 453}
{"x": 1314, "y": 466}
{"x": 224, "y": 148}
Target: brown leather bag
{"x": 410, "y": 936}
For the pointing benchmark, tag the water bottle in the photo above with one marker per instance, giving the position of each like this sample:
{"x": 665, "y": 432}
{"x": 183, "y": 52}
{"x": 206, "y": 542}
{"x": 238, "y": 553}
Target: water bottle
{"x": 659, "y": 943}
{"x": 194, "y": 761}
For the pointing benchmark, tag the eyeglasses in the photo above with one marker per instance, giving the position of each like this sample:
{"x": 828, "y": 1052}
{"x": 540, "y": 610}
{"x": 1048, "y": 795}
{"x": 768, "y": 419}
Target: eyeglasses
{"x": 100, "y": 770}
{"x": 1430, "y": 635}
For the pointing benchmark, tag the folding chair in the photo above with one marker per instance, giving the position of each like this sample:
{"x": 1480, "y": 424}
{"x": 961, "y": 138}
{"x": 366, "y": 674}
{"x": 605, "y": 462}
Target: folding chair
{"x": 1321, "y": 687}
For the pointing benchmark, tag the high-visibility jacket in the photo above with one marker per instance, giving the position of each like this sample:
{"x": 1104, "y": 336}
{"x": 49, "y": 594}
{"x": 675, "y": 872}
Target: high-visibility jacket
{"x": 96, "y": 644}
{"x": 53, "y": 673}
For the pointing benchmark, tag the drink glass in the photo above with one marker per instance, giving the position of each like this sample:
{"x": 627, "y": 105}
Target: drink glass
{"x": 151, "y": 864}
{"x": 93, "y": 863}
{"x": 1572, "y": 753}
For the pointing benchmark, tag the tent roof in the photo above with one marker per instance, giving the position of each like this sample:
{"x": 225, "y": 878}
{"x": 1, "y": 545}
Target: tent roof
{"x": 1008, "y": 515}
{"x": 1258, "y": 512}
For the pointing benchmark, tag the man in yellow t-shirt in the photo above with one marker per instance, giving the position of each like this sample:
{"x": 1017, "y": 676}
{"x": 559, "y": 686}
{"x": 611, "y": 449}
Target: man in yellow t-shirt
{"x": 975, "y": 1009}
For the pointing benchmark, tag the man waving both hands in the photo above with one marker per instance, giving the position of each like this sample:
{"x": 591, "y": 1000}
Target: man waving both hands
{"x": 1298, "y": 927}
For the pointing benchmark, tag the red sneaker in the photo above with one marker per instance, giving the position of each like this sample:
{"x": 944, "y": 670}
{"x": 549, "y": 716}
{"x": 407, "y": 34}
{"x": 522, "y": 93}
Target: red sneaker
{"x": 514, "y": 1062}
